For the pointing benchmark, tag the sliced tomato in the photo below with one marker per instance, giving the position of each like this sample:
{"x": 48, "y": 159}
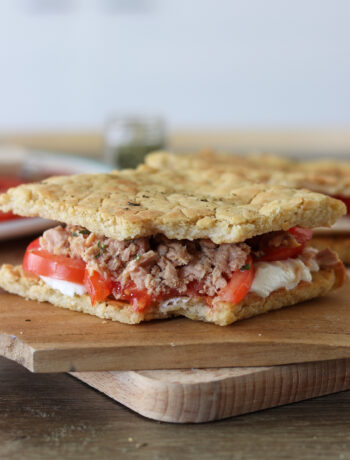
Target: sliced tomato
{"x": 271, "y": 254}
{"x": 97, "y": 286}
{"x": 239, "y": 285}
{"x": 281, "y": 253}
{"x": 302, "y": 235}
{"x": 43, "y": 263}
{"x": 35, "y": 244}
{"x": 140, "y": 298}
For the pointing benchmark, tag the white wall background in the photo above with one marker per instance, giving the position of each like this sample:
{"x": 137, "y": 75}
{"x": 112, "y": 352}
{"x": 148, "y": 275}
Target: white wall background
{"x": 70, "y": 63}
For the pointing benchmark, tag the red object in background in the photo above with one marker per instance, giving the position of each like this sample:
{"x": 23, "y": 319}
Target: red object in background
{"x": 346, "y": 201}
{"x": 5, "y": 184}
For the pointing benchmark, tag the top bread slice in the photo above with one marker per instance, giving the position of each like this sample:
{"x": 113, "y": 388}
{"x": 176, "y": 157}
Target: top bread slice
{"x": 329, "y": 177}
{"x": 143, "y": 202}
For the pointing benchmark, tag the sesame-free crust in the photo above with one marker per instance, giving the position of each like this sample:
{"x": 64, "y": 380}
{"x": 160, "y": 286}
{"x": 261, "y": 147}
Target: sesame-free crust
{"x": 323, "y": 176}
{"x": 13, "y": 280}
{"x": 180, "y": 205}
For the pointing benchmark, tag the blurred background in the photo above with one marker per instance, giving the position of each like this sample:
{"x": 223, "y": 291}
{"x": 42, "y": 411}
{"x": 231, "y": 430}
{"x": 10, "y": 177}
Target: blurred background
{"x": 239, "y": 75}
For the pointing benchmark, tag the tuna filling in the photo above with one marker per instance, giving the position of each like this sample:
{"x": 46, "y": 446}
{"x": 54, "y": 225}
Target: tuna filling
{"x": 162, "y": 267}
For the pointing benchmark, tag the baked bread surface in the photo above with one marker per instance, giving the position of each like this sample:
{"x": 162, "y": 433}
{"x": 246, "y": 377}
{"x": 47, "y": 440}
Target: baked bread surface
{"x": 324, "y": 176}
{"x": 180, "y": 205}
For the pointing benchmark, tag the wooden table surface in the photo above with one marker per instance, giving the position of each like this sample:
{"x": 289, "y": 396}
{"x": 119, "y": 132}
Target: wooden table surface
{"x": 53, "y": 416}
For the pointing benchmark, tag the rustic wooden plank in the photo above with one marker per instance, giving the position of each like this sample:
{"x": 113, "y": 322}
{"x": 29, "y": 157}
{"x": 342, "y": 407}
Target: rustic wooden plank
{"x": 49, "y": 339}
{"x": 54, "y": 416}
{"x": 203, "y": 395}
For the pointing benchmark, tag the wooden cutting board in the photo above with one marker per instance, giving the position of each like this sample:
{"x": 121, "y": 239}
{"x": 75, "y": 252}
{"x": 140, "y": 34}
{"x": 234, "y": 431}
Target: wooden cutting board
{"x": 44, "y": 338}
{"x": 204, "y": 395}
{"x": 49, "y": 339}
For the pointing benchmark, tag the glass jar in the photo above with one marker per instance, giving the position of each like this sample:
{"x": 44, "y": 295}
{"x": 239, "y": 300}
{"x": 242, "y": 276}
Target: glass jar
{"x": 129, "y": 139}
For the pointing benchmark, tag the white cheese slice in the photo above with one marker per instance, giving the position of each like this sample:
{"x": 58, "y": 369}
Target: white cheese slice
{"x": 66, "y": 287}
{"x": 173, "y": 303}
{"x": 270, "y": 276}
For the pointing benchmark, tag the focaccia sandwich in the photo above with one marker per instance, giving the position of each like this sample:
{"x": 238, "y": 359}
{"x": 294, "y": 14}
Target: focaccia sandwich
{"x": 143, "y": 244}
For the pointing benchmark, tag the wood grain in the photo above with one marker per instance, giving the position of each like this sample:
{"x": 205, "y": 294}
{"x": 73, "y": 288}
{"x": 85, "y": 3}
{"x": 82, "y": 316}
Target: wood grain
{"x": 203, "y": 395}
{"x": 54, "y": 416}
{"x": 49, "y": 339}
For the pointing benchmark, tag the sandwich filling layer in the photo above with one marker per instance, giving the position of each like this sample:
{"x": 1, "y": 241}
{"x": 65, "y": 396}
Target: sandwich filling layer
{"x": 150, "y": 270}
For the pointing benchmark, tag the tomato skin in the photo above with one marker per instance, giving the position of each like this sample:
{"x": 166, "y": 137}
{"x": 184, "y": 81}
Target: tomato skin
{"x": 35, "y": 244}
{"x": 302, "y": 235}
{"x": 140, "y": 298}
{"x": 239, "y": 285}
{"x": 43, "y": 263}
{"x": 97, "y": 286}
{"x": 281, "y": 253}
{"x": 271, "y": 254}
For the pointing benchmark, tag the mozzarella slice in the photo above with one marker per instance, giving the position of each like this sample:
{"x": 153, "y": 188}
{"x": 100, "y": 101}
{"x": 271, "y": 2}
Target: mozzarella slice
{"x": 66, "y": 287}
{"x": 270, "y": 276}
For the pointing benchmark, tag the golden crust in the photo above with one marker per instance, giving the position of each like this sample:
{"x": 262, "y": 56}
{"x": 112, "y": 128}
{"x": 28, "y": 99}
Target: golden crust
{"x": 208, "y": 158}
{"x": 180, "y": 205}
{"x": 329, "y": 177}
{"x": 223, "y": 314}
{"x": 338, "y": 243}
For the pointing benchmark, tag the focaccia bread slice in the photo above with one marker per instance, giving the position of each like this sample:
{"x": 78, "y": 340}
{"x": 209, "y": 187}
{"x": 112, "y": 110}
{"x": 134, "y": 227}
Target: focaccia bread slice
{"x": 325, "y": 176}
{"x": 207, "y": 159}
{"x": 142, "y": 202}
{"x": 13, "y": 280}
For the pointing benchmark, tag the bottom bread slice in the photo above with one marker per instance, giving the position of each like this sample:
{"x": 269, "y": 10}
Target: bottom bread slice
{"x": 13, "y": 280}
{"x": 339, "y": 243}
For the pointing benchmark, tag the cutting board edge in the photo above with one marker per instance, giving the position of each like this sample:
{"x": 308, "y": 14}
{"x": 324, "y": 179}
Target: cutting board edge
{"x": 178, "y": 402}
{"x": 15, "y": 349}
{"x": 181, "y": 357}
